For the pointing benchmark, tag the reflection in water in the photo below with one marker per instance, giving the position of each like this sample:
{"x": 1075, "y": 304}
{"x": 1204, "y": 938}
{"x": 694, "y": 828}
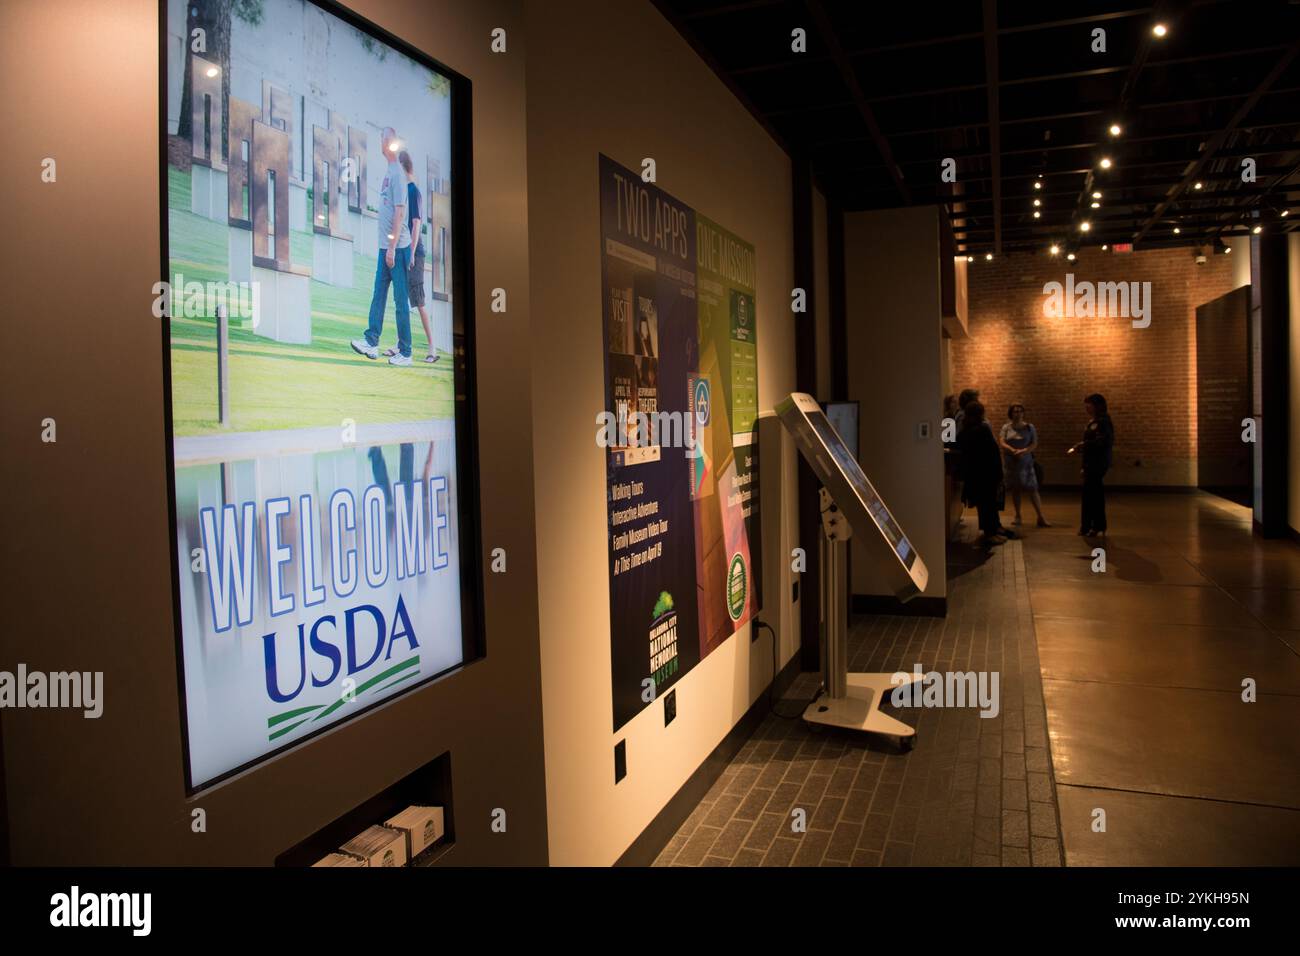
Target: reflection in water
{"x": 406, "y": 471}
{"x": 227, "y": 698}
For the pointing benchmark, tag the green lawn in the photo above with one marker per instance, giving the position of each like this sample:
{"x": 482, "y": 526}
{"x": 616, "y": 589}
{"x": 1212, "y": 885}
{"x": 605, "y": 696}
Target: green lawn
{"x": 277, "y": 386}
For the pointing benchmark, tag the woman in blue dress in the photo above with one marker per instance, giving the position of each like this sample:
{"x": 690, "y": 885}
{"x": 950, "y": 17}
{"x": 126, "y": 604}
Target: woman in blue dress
{"x": 1018, "y": 441}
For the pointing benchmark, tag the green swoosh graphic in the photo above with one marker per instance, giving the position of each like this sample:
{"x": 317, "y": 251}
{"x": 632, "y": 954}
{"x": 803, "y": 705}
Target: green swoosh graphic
{"x": 396, "y": 668}
{"x": 398, "y": 681}
{"x": 282, "y": 732}
{"x": 291, "y": 714}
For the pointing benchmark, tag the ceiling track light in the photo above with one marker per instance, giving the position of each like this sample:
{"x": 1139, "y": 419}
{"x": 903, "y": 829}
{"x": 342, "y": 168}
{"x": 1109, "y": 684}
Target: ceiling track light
{"x": 1160, "y": 30}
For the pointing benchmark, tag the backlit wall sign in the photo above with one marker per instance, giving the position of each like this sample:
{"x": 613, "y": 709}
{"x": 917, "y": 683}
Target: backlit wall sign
{"x": 325, "y": 540}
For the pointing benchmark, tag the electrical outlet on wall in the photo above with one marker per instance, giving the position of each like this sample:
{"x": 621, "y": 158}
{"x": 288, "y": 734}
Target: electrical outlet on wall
{"x": 923, "y": 430}
{"x": 670, "y": 707}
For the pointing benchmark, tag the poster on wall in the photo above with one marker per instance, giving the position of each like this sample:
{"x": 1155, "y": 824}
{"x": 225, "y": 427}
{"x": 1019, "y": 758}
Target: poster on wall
{"x": 324, "y": 539}
{"x": 724, "y": 469}
{"x": 681, "y": 403}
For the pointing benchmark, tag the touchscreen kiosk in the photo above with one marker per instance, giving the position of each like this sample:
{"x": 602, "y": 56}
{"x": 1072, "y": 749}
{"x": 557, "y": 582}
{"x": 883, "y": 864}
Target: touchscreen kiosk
{"x": 849, "y": 505}
{"x": 838, "y": 470}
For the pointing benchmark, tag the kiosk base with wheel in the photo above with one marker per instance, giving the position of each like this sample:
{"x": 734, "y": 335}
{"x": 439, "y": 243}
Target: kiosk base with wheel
{"x": 860, "y": 708}
{"x": 851, "y": 701}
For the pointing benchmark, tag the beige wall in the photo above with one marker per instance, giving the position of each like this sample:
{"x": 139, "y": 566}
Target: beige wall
{"x": 616, "y": 78}
{"x": 1240, "y": 246}
{"x": 87, "y": 570}
{"x": 892, "y": 290}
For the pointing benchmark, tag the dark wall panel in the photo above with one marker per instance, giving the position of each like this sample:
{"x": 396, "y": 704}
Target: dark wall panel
{"x": 1223, "y": 460}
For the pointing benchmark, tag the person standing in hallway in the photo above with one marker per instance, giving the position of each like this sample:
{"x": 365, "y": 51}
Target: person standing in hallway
{"x": 981, "y": 472}
{"x": 950, "y": 411}
{"x": 1097, "y": 448}
{"x": 967, "y": 396}
{"x": 1018, "y": 441}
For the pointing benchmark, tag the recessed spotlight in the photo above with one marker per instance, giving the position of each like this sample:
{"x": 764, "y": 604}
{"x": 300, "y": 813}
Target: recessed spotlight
{"x": 1105, "y": 162}
{"x": 1038, "y": 184}
{"x": 970, "y": 258}
{"x": 1055, "y": 250}
{"x": 1096, "y": 205}
{"x": 1198, "y": 185}
{"x": 1104, "y": 247}
{"x": 1115, "y": 129}
{"x": 1070, "y": 257}
{"x": 1037, "y": 214}
{"x": 1160, "y": 29}
{"x": 1096, "y": 194}
{"x": 1177, "y": 230}
{"x": 1085, "y": 226}
{"x": 1257, "y": 230}
{"x": 1038, "y": 202}
{"x": 988, "y": 257}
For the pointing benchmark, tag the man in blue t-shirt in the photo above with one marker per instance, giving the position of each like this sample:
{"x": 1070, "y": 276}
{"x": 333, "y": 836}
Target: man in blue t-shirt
{"x": 415, "y": 277}
{"x": 394, "y": 261}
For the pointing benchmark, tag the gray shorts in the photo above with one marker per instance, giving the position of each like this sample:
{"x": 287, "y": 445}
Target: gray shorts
{"x": 415, "y": 281}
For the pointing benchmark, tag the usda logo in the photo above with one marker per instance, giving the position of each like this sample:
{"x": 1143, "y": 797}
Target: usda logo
{"x": 702, "y": 401}
{"x": 737, "y": 586}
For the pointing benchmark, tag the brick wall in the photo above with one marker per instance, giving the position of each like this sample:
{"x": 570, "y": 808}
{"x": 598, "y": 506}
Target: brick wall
{"x": 1015, "y": 353}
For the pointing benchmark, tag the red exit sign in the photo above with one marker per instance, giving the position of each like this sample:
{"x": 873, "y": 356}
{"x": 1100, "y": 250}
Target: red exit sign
{"x": 1122, "y": 247}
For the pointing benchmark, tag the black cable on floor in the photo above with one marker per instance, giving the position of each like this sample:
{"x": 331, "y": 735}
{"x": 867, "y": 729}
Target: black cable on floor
{"x": 771, "y": 688}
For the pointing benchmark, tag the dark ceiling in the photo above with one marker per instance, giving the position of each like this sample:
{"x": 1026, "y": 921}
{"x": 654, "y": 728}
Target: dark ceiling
{"x": 1013, "y": 91}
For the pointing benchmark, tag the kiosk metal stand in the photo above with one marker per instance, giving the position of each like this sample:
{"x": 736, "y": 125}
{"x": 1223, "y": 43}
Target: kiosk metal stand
{"x": 849, "y": 700}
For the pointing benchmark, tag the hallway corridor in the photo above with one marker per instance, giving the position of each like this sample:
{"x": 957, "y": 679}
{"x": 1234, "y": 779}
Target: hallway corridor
{"x": 1138, "y": 712}
{"x": 1143, "y": 669}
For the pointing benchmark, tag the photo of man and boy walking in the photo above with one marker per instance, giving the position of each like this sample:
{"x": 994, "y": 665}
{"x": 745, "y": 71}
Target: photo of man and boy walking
{"x": 401, "y": 259}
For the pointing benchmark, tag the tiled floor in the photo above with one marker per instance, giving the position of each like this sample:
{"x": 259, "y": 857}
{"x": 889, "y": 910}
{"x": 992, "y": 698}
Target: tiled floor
{"x": 975, "y": 791}
{"x": 1141, "y": 671}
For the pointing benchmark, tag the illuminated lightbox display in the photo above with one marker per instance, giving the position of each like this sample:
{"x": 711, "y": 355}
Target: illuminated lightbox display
{"x": 326, "y": 547}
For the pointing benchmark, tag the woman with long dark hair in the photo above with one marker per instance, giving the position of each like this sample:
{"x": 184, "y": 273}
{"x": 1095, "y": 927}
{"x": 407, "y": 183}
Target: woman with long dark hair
{"x": 981, "y": 471}
{"x": 1097, "y": 447}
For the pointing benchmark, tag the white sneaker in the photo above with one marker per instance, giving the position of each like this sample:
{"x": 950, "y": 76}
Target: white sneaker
{"x": 362, "y": 347}
{"x": 400, "y": 359}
